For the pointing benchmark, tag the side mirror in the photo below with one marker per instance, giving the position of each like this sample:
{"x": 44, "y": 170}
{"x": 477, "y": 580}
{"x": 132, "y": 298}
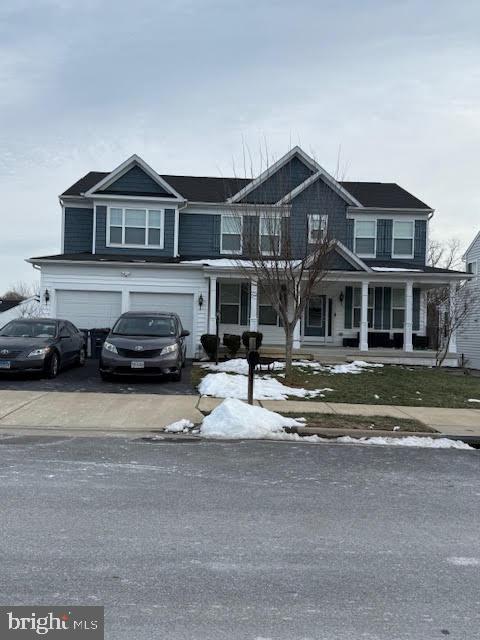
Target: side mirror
{"x": 184, "y": 333}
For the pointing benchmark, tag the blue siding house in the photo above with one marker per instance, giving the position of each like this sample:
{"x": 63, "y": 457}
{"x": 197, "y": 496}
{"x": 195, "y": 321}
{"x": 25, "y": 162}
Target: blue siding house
{"x": 136, "y": 239}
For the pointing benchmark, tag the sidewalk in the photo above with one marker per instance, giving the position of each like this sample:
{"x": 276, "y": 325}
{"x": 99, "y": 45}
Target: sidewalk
{"x": 111, "y": 412}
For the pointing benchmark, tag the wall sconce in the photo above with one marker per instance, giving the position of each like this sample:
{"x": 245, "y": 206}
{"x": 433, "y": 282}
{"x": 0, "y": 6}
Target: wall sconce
{"x": 46, "y": 296}
{"x": 200, "y": 301}
{"x": 340, "y": 297}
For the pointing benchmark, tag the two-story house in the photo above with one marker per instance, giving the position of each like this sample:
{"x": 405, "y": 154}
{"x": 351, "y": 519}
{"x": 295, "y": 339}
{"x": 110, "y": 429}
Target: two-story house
{"x": 469, "y": 333}
{"x": 133, "y": 239}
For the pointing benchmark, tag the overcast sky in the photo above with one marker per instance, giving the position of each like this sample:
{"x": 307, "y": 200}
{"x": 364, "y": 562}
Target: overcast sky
{"x": 85, "y": 83}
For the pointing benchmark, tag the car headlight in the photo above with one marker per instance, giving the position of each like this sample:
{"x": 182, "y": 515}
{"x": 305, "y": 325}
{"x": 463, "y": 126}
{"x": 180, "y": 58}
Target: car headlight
{"x": 108, "y": 346}
{"x": 39, "y": 353}
{"x": 171, "y": 348}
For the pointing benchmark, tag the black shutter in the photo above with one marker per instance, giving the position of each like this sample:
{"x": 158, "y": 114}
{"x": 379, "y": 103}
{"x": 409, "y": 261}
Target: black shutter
{"x": 348, "y": 307}
{"x": 420, "y": 244}
{"x": 387, "y": 306}
{"x": 384, "y": 238}
{"x": 217, "y": 221}
{"x": 349, "y": 239}
{"x": 416, "y": 310}
{"x": 377, "y": 311}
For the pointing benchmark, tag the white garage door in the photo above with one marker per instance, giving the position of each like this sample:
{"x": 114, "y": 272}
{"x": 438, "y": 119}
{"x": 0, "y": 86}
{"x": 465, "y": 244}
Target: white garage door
{"x": 179, "y": 303}
{"x": 89, "y": 309}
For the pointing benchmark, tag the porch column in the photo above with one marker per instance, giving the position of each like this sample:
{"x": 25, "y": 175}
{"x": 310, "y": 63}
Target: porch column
{"x": 253, "y": 321}
{"x": 407, "y": 331}
{"x": 212, "y": 310}
{"x": 452, "y": 300}
{"x": 363, "y": 345}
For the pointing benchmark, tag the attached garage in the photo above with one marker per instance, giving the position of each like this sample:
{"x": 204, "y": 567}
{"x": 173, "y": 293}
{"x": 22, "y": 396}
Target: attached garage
{"x": 179, "y": 303}
{"x": 89, "y": 309}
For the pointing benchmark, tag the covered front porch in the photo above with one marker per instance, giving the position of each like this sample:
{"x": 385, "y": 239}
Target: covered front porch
{"x": 369, "y": 315}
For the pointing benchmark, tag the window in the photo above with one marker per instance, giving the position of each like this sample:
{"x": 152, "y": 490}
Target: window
{"x": 398, "y": 308}
{"x": 230, "y": 299}
{"x": 270, "y": 235}
{"x": 357, "y": 307}
{"x": 472, "y": 267}
{"x": 231, "y": 241}
{"x": 403, "y": 233}
{"x": 266, "y": 313}
{"x": 135, "y": 227}
{"x": 317, "y": 227}
{"x": 365, "y": 238}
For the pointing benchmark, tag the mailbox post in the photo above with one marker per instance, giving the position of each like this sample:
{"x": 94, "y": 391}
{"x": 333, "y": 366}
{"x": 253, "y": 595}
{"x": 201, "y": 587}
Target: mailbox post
{"x": 253, "y": 358}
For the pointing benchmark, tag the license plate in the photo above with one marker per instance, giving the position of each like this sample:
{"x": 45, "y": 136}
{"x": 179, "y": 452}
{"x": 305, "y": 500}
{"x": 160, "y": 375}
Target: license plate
{"x": 4, "y": 364}
{"x": 137, "y": 364}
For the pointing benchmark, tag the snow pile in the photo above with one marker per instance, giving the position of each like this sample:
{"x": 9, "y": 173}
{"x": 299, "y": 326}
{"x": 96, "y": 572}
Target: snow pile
{"x": 473, "y": 400}
{"x": 224, "y": 385}
{"x": 235, "y": 419}
{"x": 181, "y": 426}
{"x": 408, "y": 441}
{"x": 238, "y": 365}
{"x": 357, "y": 366}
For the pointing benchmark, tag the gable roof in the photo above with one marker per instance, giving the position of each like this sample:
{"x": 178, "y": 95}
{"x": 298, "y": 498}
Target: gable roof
{"x": 5, "y": 305}
{"x": 386, "y": 195}
{"x": 471, "y": 245}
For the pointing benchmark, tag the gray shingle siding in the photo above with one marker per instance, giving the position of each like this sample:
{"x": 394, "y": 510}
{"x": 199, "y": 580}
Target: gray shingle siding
{"x": 136, "y": 181}
{"x": 78, "y": 231}
{"x": 101, "y": 236}
{"x": 280, "y": 183}
{"x": 199, "y": 235}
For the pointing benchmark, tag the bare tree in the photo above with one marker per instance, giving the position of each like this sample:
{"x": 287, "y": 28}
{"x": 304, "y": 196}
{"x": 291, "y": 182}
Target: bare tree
{"x": 286, "y": 254}
{"x": 21, "y": 290}
{"x": 455, "y": 307}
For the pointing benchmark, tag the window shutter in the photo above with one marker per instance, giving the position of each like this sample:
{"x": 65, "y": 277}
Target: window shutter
{"x": 217, "y": 221}
{"x": 377, "y": 310}
{"x": 349, "y": 240}
{"x": 416, "y": 310}
{"x": 420, "y": 243}
{"x": 348, "y": 307}
{"x": 244, "y": 302}
{"x": 384, "y": 238}
{"x": 387, "y": 307}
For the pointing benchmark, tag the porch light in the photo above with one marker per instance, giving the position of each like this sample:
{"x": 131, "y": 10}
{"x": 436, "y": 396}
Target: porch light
{"x": 200, "y": 301}
{"x": 46, "y": 296}
{"x": 340, "y": 297}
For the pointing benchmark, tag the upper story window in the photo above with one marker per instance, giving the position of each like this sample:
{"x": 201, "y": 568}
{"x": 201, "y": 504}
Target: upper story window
{"x": 231, "y": 234}
{"x": 270, "y": 231}
{"x": 472, "y": 267}
{"x": 365, "y": 238}
{"x": 317, "y": 227}
{"x": 135, "y": 228}
{"x": 402, "y": 242}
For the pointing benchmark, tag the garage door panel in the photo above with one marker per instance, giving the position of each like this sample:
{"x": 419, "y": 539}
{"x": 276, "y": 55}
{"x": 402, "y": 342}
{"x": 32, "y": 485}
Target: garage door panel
{"x": 179, "y": 303}
{"x": 89, "y": 309}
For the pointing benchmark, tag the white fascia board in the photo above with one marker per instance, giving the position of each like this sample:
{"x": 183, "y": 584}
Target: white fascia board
{"x": 472, "y": 244}
{"x": 351, "y": 257}
{"x": 129, "y": 200}
{"x": 76, "y": 202}
{"x": 351, "y": 211}
{"x": 321, "y": 174}
{"x": 123, "y": 168}
{"x": 111, "y": 263}
{"x": 269, "y": 171}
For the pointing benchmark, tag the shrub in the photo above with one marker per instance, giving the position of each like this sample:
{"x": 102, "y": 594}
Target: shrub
{"x": 210, "y": 343}
{"x": 246, "y": 335}
{"x": 232, "y": 342}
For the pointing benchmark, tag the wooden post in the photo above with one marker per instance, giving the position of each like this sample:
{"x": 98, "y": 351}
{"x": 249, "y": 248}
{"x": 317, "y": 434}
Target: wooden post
{"x": 252, "y": 363}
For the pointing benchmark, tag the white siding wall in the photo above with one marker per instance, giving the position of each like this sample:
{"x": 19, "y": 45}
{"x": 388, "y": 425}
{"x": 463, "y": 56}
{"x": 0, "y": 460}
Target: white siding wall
{"x": 468, "y": 337}
{"x": 135, "y": 279}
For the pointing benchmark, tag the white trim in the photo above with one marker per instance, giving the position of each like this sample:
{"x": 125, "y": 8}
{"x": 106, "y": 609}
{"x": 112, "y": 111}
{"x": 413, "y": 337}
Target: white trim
{"x": 356, "y": 214}
{"x": 350, "y": 256}
{"x": 403, "y": 256}
{"x": 75, "y": 202}
{"x": 226, "y": 251}
{"x": 175, "y": 232}
{"x": 380, "y": 211}
{"x": 278, "y": 220}
{"x": 472, "y": 244}
{"x": 94, "y": 230}
{"x": 126, "y": 166}
{"x": 123, "y": 245}
{"x": 62, "y": 239}
{"x": 323, "y": 217}
{"x": 324, "y": 175}
{"x": 365, "y": 255}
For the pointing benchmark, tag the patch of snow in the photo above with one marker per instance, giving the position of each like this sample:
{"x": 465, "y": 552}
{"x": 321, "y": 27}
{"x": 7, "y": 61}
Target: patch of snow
{"x": 224, "y": 385}
{"x": 396, "y": 428}
{"x": 355, "y": 367}
{"x": 408, "y": 441}
{"x": 235, "y": 419}
{"x": 238, "y": 365}
{"x": 465, "y": 562}
{"x": 392, "y": 269}
{"x": 376, "y": 396}
{"x": 181, "y": 426}
{"x": 473, "y": 400}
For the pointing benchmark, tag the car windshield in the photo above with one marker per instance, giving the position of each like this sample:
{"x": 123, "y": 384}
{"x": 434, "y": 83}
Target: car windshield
{"x": 19, "y": 329}
{"x": 161, "y": 327}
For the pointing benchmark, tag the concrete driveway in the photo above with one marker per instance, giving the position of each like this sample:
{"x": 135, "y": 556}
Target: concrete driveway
{"x": 87, "y": 379}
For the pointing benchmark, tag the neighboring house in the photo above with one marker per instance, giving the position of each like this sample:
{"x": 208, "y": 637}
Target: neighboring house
{"x": 134, "y": 239}
{"x": 468, "y": 339}
{"x": 12, "y": 309}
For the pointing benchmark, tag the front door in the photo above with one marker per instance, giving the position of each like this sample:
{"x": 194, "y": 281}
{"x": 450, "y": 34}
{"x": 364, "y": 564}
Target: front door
{"x": 318, "y": 318}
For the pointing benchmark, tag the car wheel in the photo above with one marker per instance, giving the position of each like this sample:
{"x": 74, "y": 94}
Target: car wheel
{"x": 177, "y": 376}
{"x": 52, "y": 366}
{"x": 81, "y": 357}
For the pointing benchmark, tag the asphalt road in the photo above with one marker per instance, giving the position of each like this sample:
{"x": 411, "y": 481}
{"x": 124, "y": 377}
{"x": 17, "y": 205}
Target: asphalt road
{"x": 88, "y": 379}
{"x": 248, "y": 540}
